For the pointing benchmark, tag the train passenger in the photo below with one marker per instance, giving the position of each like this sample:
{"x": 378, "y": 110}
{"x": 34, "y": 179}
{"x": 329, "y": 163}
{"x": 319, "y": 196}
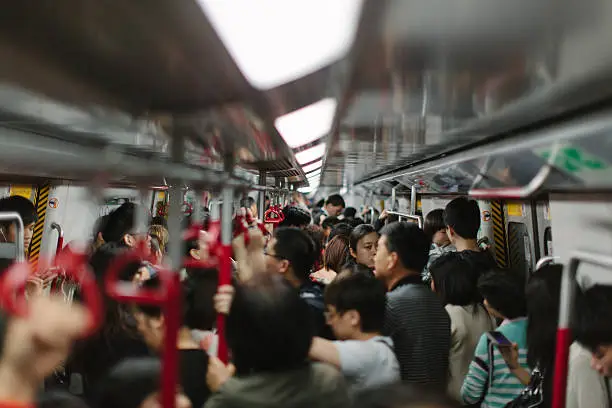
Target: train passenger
{"x": 134, "y": 383}
{"x": 316, "y": 234}
{"x": 291, "y": 253}
{"x": 592, "y": 328}
{"x": 27, "y": 212}
{"x": 435, "y": 229}
{"x": 117, "y": 339}
{"x": 343, "y": 229}
{"x": 355, "y": 311}
{"x": 32, "y": 346}
{"x": 462, "y": 219}
{"x": 295, "y": 217}
{"x": 328, "y": 225}
{"x": 335, "y": 256}
{"x": 456, "y": 284}
{"x": 415, "y": 317}
{"x": 161, "y": 233}
{"x": 349, "y": 213}
{"x": 334, "y": 205}
{"x": 121, "y": 224}
{"x": 97, "y": 238}
{"x": 504, "y": 298}
{"x": 362, "y": 245}
{"x": 198, "y": 310}
{"x": 269, "y": 333}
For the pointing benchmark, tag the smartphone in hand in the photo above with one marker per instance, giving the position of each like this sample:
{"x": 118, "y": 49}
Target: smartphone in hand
{"x": 499, "y": 339}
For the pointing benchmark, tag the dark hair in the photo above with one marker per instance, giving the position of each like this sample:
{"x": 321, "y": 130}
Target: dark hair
{"x": 129, "y": 383}
{"x": 295, "y": 217}
{"x": 99, "y": 226}
{"x": 320, "y": 203}
{"x": 336, "y": 253}
{"x": 365, "y": 294}
{"x": 404, "y": 396}
{"x": 355, "y": 268}
{"x": 198, "y": 289}
{"x": 257, "y": 345}
{"x": 463, "y": 216}
{"x": 434, "y": 222}
{"x": 410, "y": 244}
{"x": 336, "y": 200}
{"x": 159, "y": 220}
{"x": 59, "y": 399}
{"x": 341, "y": 229}
{"x": 295, "y": 246}
{"x": 247, "y": 202}
{"x": 315, "y": 233}
{"x": 329, "y": 222}
{"x": 505, "y": 292}
{"x": 593, "y": 317}
{"x": 350, "y": 212}
{"x": 455, "y": 280}
{"x": 358, "y": 233}
{"x": 22, "y": 206}
{"x": 120, "y": 222}
{"x": 355, "y": 222}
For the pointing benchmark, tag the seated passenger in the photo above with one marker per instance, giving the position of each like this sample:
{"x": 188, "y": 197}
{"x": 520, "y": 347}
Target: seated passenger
{"x": 456, "y": 284}
{"x": 504, "y": 298}
{"x": 269, "y": 333}
{"x": 198, "y": 314}
{"x": 291, "y": 253}
{"x": 436, "y": 231}
{"x": 462, "y": 219}
{"x": 415, "y": 317}
{"x": 135, "y": 383}
{"x": 355, "y": 311}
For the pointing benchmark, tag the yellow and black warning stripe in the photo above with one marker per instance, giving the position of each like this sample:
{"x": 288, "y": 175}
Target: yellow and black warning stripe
{"x": 42, "y": 202}
{"x": 499, "y": 233}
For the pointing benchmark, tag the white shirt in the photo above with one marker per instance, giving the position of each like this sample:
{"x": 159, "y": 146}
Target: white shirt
{"x": 368, "y": 364}
{"x": 585, "y": 387}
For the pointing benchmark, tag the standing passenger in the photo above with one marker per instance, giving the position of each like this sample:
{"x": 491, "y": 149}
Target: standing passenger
{"x": 415, "y": 318}
{"x": 436, "y": 231}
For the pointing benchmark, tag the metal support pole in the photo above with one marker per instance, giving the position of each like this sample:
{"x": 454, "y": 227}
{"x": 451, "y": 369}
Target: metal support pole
{"x": 413, "y": 200}
{"x": 393, "y": 198}
{"x": 261, "y": 201}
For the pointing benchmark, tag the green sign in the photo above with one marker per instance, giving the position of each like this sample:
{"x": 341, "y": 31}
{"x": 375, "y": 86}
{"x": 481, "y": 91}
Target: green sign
{"x": 573, "y": 160}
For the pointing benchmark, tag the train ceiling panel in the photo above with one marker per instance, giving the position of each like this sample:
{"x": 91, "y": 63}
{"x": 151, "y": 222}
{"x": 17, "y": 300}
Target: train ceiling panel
{"x": 434, "y": 78}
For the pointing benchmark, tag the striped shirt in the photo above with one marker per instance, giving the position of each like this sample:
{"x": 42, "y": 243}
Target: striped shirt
{"x": 505, "y": 386}
{"x": 420, "y": 328}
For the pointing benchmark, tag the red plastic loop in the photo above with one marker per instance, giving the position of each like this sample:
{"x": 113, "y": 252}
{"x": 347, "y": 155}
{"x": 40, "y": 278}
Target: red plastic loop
{"x": 241, "y": 228}
{"x": 124, "y": 291}
{"x": 274, "y": 215}
{"x": 73, "y": 266}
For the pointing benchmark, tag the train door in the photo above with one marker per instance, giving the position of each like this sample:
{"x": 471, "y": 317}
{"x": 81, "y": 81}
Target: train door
{"x": 521, "y": 227}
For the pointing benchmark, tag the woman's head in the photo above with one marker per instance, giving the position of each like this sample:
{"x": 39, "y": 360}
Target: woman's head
{"x": 435, "y": 227}
{"x": 198, "y": 310}
{"x": 503, "y": 293}
{"x": 543, "y": 293}
{"x": 256, "y": 344}
{"x": 363, "y": 243}
{"x": 454, "y": 280}
{"x": 336, "y": 253}
{"x": 134, "y": 383}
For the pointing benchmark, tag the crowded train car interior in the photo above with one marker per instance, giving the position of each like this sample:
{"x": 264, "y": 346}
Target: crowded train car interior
{"x": 290, "y": 203}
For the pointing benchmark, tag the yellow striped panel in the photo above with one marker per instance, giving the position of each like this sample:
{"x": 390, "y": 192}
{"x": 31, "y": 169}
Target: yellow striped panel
{"x": 42, "y": 202}
{"x": 499, "y": 233}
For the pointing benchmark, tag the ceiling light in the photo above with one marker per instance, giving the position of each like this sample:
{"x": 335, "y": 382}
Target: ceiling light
{"x": 274, "y": 42}
{"x": 313, "y": 166}
{"x": 313, "y": 174}
{"x": 306, "y": 190}
{"x": 311, "y": 154}
{"x": 307, "y": 124}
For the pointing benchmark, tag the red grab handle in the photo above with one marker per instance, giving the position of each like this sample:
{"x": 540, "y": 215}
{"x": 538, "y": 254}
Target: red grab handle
{"x": 75, "y": 267}
{"x": 274, "y": 215}
{"x": 124, "y": 291}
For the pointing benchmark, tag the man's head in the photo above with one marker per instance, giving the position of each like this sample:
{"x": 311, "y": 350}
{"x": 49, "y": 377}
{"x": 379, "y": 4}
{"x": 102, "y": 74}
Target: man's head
{"x": 334, "y": 205}
{"x": 121, "y": 226}
{"x": 291, "y": 253}
{"x": 355, "y": 304}
{"x": 328, "y": 225}
{"x": 27, "y": 212}
{"x": 462, "y": 219}
{"x": 350, "y": 212}
{"x": 504, "y": 294}
{"x": 402, "y": 249}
